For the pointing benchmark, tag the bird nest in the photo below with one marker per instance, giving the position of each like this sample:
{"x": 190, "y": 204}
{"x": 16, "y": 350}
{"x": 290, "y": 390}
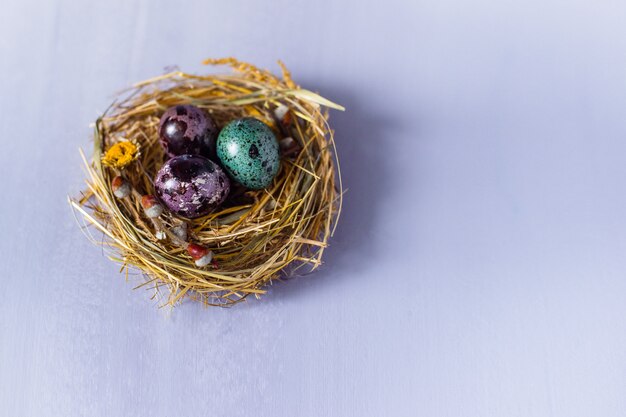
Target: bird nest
{"x": 255, "y": 236}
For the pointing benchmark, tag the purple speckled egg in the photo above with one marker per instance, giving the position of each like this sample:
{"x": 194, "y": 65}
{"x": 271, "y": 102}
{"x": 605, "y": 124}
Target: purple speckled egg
{"x": 186, "y": 129}
{"x": 191, "y": 185}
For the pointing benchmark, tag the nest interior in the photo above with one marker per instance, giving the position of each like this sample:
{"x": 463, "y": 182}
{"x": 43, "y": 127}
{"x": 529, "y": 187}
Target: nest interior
{"x": 256, "y": 236}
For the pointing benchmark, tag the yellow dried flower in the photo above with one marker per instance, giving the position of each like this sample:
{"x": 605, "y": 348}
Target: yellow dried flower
{"x": 121, "y": 154}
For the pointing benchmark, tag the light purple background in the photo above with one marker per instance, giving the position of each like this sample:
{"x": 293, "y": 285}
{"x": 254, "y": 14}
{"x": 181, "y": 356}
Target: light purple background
{"x": 478, "y": 269}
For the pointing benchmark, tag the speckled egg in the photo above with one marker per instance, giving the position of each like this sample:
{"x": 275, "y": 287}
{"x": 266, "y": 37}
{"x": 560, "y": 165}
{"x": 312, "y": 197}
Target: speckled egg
{"x": 191, "y": 185}
{"x": 186, "y": 129}
{"x": 248, "y": 150}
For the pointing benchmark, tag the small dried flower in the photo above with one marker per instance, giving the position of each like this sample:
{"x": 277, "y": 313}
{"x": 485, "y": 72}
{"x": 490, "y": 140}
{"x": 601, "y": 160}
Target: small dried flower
{"x": 151, "y": 206}
{"x": 120, "y": 187}
{"x": 282, "y": 113}
{"x": 121, "y": 154}
{"x": 201, "y": 255}
{"x": 180, "y": 231}
{"x": 289, "y": 147}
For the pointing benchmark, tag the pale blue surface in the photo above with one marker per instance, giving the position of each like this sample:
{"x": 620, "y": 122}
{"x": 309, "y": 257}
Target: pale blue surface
{"x": 479, "y": 266}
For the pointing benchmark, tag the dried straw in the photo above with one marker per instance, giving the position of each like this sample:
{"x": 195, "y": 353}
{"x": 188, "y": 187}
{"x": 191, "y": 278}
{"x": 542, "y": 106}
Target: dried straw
{"x": 256, "y": 236}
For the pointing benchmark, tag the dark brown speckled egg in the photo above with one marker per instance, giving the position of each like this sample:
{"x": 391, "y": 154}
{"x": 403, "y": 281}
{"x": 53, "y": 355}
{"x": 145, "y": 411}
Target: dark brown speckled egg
{"x": 191, "y": 185}
{"x": 187, "y": 130}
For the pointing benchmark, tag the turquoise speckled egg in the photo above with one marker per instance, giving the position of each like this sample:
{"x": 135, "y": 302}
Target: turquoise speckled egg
{"x": 248, "y": 150}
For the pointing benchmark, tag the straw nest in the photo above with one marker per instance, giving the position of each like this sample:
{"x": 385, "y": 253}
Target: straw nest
{"x": 256, "y": 236}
